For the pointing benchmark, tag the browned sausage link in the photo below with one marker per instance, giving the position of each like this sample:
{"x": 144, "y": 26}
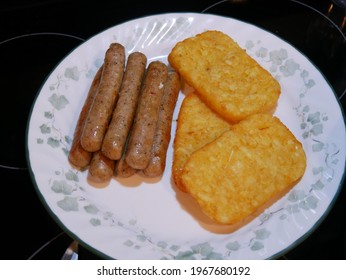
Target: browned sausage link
{"x": 123, "y": 115}
{"x": 104, "y": 102}
{"x": 162, "y": 136}
{"x": 122, "y": 169}
{"x": 78, "y": 156}
{"x": 101, "y": 168}
{"x": 143, "y": 129}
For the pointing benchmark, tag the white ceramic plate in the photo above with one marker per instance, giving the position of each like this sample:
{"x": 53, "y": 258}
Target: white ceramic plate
{"x": 138, "y": 218}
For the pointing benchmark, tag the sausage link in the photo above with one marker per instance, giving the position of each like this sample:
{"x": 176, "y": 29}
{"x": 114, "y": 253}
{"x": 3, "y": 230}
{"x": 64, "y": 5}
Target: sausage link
{"x": 122, "y": 169}
{"x": 123, "y": 115}
{"x": 105, "y": 100}
{"x": 143, "y": 129}
{"x": 162, "y": 136}
{"x": 78, "y": 156}
{"x": 101, "y": 168}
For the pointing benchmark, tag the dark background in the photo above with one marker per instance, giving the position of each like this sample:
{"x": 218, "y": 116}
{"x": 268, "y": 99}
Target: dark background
{"x": 36, "y": 35}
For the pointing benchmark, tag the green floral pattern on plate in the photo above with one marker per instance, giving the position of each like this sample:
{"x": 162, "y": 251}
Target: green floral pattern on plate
{"x": 78, "y": 206}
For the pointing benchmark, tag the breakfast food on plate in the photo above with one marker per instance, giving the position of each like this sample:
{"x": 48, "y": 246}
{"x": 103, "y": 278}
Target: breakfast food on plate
{"x": 144, "y": 125}
{"x": 78, "y": 156}
{"x": 125, "y": 123}
{"x": 197, "y": 125}
{"x": 101, "y": 168}
{"x": 245, "y": 169}
{"x": 162, "y": 135}
{"x": 230, "y": 154}
{"x": 123, "y": 115}
{"x": 102, "y": 108}
{"x": 224, "y": 76}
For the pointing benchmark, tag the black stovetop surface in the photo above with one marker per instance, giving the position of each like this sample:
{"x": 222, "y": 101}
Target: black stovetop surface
{"x": 36, "y": 35}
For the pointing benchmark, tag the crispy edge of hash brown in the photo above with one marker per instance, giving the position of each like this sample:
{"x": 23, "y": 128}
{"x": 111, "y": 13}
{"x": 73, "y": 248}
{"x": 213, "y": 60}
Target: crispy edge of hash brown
{"x": 225, "y": 77}
{"x": 197, "y": 125}
{"x": 246, "y": 169}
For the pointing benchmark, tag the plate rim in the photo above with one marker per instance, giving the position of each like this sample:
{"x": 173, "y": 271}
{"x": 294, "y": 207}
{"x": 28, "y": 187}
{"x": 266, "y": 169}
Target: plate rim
{"x": 168, "y": 14}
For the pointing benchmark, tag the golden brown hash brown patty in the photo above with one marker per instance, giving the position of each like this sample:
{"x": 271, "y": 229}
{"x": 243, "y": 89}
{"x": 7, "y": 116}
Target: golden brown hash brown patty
{"x": 224, "y": 76}
{"x": 197, "y": 125}
{"x": 244, "y": 169}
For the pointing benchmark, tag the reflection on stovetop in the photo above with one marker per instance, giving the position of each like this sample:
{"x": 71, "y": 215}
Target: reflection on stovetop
{"x": 318, "y": 30}
{"x": 34, "y": 56}
{"x": 36, "y": 35}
